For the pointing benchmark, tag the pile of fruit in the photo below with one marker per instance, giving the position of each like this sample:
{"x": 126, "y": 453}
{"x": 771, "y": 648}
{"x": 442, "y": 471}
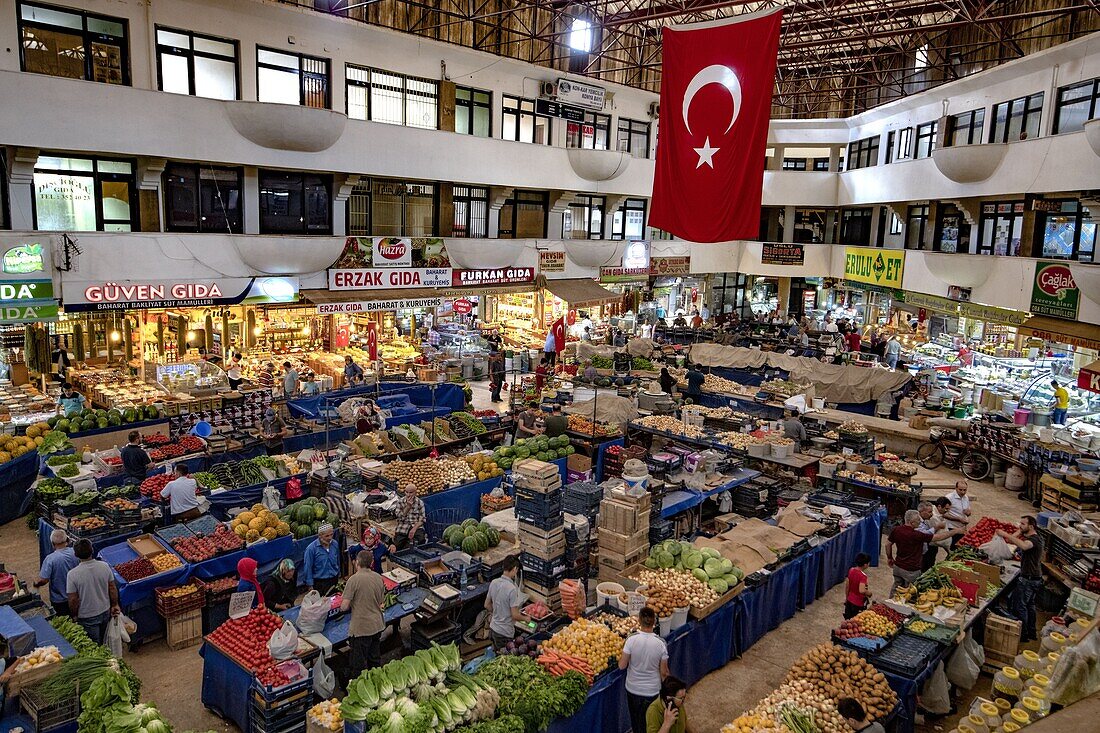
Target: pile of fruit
{"x": 624, "y": 626}
{"x": 135, "y": 569}
{"x": 87, "y": 524}
{"x": 471, "y": 537}
{"x": 588, "y": 640}
{"x": 425, "y": 473}
{"x": 456, "y": 471}
{"x": 541, "y": 448}
{"x": 245, "y": 638}
{"x": 88, "y": 419}
{"x": 154, "y": 439}
{"x": 866, "y": 624}
{"x": 52, "y": 489}
{"x": 787, "y": 710}
{"x": 39, "y": 657}
{"x": 152, "y": 486}
{"x": 464, "y": 425}
{"x": 835, "y": 673}
{"x": 714, "y": 383}
{"x": 165, "y": 561}
{"x": 485, "y": 466}
{"x": 704, "y": 563}
{"x": 919, "y": 626}
{"x": 326, "y": 714}
{"x": 490, "y": 503}
{"x": 121, "y": 505}
{"x": 221, "y": 585}
{"x": 888, "y": 613}
{"x": 853, "y": 427}
{"x": 902, "y": 468}
{"x": 672, "y": 426}
{"x": 200, "y": 548}
{"x": 737, "y": 440}
{"x": 166, "y": 452}
{"x": 984, "y": 531}
{"x": 522, "y": 648}
{"x": 301, "y": 519}
{"x": 584, "y": 426}
{"x": 260, "y": 522}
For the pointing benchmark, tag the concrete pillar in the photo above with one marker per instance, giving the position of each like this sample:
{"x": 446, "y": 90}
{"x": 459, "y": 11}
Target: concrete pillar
{"x": 784, "y": 298}
{"x": 251, "y": 192}
{"x": 788, "y": 227}
{"x": 775, "y": 163}
{"x": 830, "y": 223}
{"x": 834, "y": 159}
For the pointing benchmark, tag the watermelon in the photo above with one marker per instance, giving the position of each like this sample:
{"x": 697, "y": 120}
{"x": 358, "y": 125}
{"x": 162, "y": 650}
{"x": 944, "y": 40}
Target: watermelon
{"x": 470, "y": 531}
{"x": 319, "y": 512}
{"x": 302, "y": 532}
{"x": 482, "y": 541}
{"x": 52, "y": 422}
{"x": 151, "y": 413}
{"x": 129, "y": 414}
{"x": 469, "y": 523}
{"x": 483, "y": 527}
{"x": 494, "y": 536}
{"x": 450, "y": 535}
{"x": 469, "y": 546}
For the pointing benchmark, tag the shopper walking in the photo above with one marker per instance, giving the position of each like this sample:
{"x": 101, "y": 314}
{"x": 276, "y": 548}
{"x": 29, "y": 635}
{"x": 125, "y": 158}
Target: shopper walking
{"x": 892, "y": 351}
{"x": 55, "y": 570}
{"x": 135, "y": 461}
{"x": 550, "y": 348}
{"x": 93, "y": 595}
{"x": 496, "y": 375}
{"x": 1022, "y": 603}
{"x": 503, "y": 601}
{"x": 645, "y": 659}
{"x": 1060, "y": 402}
{"x": 364, "y": 594}
{"x": 273, "y": 430}
{"x": 666, "y": 714}
{"x": 321, "y": 563}
{"x": 859, "y": 589}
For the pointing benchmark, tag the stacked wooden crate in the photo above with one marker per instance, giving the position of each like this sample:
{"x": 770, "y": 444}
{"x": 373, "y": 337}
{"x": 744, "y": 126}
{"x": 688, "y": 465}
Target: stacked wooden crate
{"x": 541, "y": 539}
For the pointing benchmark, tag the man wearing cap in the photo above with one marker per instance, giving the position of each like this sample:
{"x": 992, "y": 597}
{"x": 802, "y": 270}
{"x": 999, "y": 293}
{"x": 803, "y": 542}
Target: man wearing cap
{"x": 321, "y": 563}
{"x": 55, "y": 568}
{"x": 273, "y": 429}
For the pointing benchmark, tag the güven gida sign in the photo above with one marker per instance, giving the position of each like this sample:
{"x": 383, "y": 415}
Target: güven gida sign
{"x": 1054, "y": 292}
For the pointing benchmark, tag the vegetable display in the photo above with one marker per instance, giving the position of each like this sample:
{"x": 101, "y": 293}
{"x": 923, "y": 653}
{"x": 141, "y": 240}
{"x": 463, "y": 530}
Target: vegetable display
{"x": 834, "y": 673}
{"x": 465, "y": 425}
{"x": 705, "y": 564}
{"x": 425, "y": 473}
{"x": 485, "y": 466}
{"x": 245, "y": 639}
{"x": 471, "y": 536}
{"x": 542, "y": 448}
{"x": 327, "y": 715}
{"x": 984, "y": 531}
{"x": 585, "y": 640}
{"x": 260, "y": 522}
{"x": 529, "y": 692}
{"x": 52, "y": 489}
{"x": 198, "y": 549}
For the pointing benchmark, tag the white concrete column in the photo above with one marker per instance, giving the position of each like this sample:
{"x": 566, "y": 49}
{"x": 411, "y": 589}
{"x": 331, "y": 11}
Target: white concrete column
{"x": 788, "y": 223}
{"x": 251, "y": 192}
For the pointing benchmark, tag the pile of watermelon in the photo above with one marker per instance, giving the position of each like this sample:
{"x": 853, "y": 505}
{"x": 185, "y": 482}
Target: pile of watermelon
{"x": 471, "y": 536}
{"x": 305, "y": 517}
{"x": 542, "y": 448}
{"x": 89, "y": 419}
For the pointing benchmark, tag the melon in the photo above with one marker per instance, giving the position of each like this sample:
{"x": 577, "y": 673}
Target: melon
{"x": 470, "y": 545}
{"x": 469, "y": 523}
{"x": 494, "y": 536}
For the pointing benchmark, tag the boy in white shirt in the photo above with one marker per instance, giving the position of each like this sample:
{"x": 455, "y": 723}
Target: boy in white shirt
{"x": 645, "y": 659}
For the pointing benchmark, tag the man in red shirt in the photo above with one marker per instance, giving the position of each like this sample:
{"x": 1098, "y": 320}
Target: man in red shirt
{"x": 855, "y": 341}
{"x": 905, "y": 548}
{"x": 540, "y": 376}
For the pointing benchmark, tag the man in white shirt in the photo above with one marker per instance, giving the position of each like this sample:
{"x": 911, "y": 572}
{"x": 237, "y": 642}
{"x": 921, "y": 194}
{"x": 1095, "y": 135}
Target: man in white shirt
{"x": 645, "y": 659}
{"x": 183, "y": 505}
{"x": 502, "y": 602}
{"x": 959, "y": 514}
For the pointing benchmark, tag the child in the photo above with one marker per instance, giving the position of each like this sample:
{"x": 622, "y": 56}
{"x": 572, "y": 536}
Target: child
{"x": 859, "y": 592}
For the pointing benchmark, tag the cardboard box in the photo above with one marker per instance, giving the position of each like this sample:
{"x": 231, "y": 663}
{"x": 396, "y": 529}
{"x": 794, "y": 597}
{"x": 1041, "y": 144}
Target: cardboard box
{"x": 919, "y": 422}
{"x": 989, "y": 573}
{"x": 578, "y": 468}
{"x": 622, "y": 517}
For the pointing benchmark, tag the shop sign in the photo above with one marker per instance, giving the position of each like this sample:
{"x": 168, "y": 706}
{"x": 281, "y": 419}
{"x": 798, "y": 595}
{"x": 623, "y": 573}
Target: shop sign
{"x": 498, "y": 276}
{"x": 1079, "y": 342}
{"x": 1054, "y": 292}
{"x": 622, "y": 274}
{"x": 23, "y": 259}
{"x": 551, "y": 262}
{"x": 462, "y": 306}
{"x": 418, "y": 277}
{"x": 1089, "y": 377}
{"x": 84, "y": 296}
{"x": 976, "y": 311}
{"x": 25, "y": 290}
{"x": 557, "y": 109}
{"x": 868, "y": 288}
{"x": 669, "y": 266}
{"x": 586, "y": 95}
{"x": 874, "y": 266}
{"x": 371, "y": 306}
{"x": 373, "y": 253}
{"x": 776, "y": 253}
{"x": 31, "y": 311}
{"x": 635, "y": 264}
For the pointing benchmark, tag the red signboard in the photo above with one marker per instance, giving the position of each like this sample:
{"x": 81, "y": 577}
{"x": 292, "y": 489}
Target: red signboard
{"x": 1089, "y": 377}
{"x": 498, "y": 276}
{"x": 462, "y": 306}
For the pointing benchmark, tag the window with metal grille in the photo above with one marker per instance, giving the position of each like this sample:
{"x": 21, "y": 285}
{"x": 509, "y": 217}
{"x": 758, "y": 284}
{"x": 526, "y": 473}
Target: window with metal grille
{"x": 1017, "y": 119}
{"x": 198, "y": 65}
{"x": 202, "y": 198}
{"x": 73, "y": 44}
{"x": 821, "y": 164}
{"x": 633, "y": 137}
{"x": 520, "y": 122}
{"x": 386, "y": 208}
{"x": 965, "y": 128}
{"x": 291, "y": 78}
{"x": 1076, "y": 105}
{"x": 794, "y": 164}
{"x": 471, "y": 205}
{"x": 473, "y": 112}
{"x": 926, "y": 139}
{"x": 863, "y": 153}
{"x": 524, "y": 215}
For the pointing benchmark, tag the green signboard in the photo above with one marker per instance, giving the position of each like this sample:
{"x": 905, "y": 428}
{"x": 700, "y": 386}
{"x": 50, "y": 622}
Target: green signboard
{"x": 1054, "y": 292}
{"x": 25, "y": 290}
{"x": 23, "y": 259}
{"x": 31, "y": 311}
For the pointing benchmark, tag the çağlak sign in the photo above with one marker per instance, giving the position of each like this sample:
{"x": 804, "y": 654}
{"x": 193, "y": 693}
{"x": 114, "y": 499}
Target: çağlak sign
{"x": 96, "y": 296}
{"x": 23, "y": 259}
{"x": 873, "y": 266}
{"x": 1054, "y": 292}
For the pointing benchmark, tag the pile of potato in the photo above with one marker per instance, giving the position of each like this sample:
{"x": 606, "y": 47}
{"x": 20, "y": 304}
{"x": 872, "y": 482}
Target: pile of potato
{"x": 668, "y": 589}
{"x": 835, "y": 673}
{"x": 425, "y": 473}
{"x": 667, "y": 424}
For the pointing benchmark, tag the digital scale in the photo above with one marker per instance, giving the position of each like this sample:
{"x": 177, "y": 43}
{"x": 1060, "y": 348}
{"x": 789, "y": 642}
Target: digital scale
{"x": 400, "y": 578}
{"x": 441, "y": 597}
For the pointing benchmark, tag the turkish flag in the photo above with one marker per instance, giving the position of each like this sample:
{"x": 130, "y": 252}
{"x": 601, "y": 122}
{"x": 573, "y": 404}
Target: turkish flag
{"x": 558, "y": 327}
{"x": 372, "y": 341}
{"x": 716, "y": 96}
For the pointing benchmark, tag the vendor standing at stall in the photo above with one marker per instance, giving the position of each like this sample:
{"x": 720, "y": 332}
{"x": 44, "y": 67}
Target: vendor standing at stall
{"x": 183, "y": 504}
{"x": 281, "y": 589}
{"x": 353, "y": 373}
{"x": 273, "y": 430}
{"x": 93, "y": 595}
{"x": 527, "y": 426}
{"x": 411, "y": 516}
{"x": 695, "y": 380}
{"x": 135, "y": 461}
{"x": 371, "y": 542}
{"x": 367, "y": 418}
{"x": 793, "y": 428}
{"x": 556, "y": 422}
{"x": 364, "y": 596}
{"x": 503, "y": 601}
{"x": 70, "y": 402}
{"x": 291, "y": 382}
{"x": 321, "y": 563}
{"x": 1030, "y": 581}
{"x": 1060, "y": 402}
{"x": 55, "y": 569}
{"x": 233, "y": 372}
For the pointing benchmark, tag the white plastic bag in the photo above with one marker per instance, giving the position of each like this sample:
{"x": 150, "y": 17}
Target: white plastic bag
{"x": 1077, "y": 672}
{"x": 997, "y": 550}
{"x": 271, "y": 499}
{"x": 115, "y": 632}
{"x": 284, "y": 642}
{"x": 962, "y": 670}
{"x": 324, "y": 679}
{"x": 973, "y": 648}
{"x": 314, "y": 613}
{"x": 936, "y": 695}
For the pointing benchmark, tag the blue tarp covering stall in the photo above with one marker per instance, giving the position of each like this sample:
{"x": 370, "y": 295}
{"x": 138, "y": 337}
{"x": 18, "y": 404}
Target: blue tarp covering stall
{"x": 447, "y": 395}
{"x": 16, "y": 477}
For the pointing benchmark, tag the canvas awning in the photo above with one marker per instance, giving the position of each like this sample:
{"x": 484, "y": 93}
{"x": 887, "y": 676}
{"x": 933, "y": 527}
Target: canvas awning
{"x": 1071, "y": 333}
{"x": 581, "y": 292}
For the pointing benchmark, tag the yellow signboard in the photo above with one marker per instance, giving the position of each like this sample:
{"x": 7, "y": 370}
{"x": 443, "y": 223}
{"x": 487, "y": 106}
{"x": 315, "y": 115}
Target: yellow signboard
{"x": 979, "y": 312}
{"x": 874, "y": 266}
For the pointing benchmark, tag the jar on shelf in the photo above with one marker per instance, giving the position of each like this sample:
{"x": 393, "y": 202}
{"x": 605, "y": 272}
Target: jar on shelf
{"x": 1030, "y": 707}
{"x": 1041, "y": 695}
{"x": 989, "y": 711}
{"x": 975, "y": 723}
{"x": 1007, "y": 684}
{"x": 1016, "y": 717}
{"x": 1029, "y": 663}
{"x": 1009, "y": 727}
{"x": 1003, "y": 705}
{"x": 1042, "y": 681}
{"x": 1053, "y": 642}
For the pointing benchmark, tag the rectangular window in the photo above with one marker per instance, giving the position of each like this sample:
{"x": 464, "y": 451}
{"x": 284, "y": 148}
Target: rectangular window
{"x": 821, "y": 164}
{"x": 292, "y": 78}
{"x": 594, "y": 133}
{"x": 357, "y": 92}
{"x": 1000, "y": 228}
{"x": 295, "y": 203}
{"x": 926, "y": 139}
{"x": 1017, "y": 119}
{"x": 521, "y": 123}
{"x": 794, "y": 164}
{"x": 202, "y": 198}
{"x": 473, "y": 112}
{"x": 633, "y": 137}
{"x": 524, "y": 216}
{"x": 915, "y": 226}
{"x": 584, "y": 218}
{"x": 899, "y": 144}
{"x": 397, "y": 208}
{"x": 471, "y": 204}
{"x": 1076, "y": 104}
{"x": 965, "y": 128}
{"x": 952, "y": 230}
{"x": 855, "y": 227}
{"x": 629, "y": 220}
{"x": 1069, "y": 233}
{"x": 73, "y": 44}
{"x": 895, "y": 224}
{"x": 84, "y": 195}
{"x": 198, "y": 65}
{"x": 863, "y": 153}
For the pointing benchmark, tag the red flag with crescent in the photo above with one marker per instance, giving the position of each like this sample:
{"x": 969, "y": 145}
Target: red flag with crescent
{"x": 716, "y": 96}
{"x": 558, "y": 328}
{"x": 372, "y": 341}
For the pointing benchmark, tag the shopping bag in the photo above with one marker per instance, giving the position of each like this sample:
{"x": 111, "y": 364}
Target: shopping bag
{"x": 962, "y": 670}
{"x": 936, "y": 695}
{"x": 294, "y": 488}
{"x": 324, "y": 679}
{"x": 271, "y": 499}
{"x": 283, "y": 642}
{"x": 129, "y": 628}
{"x": 997, "y": 550}
{"x": 114, "y": 636}
{"x": 314, "y": 613}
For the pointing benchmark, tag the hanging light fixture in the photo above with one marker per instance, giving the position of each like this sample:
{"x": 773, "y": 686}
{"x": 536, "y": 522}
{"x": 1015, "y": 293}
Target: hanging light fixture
{"x": 116, "y": 336}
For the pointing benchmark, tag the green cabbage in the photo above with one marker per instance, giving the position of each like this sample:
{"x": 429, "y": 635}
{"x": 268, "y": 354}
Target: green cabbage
{"x": 692, "y": 560}
{"x": 727, "y": 565}
{"x": 700, "y": 574}
{"x": 713, "y": 567}
{"x": 720, "y": 586}
{"x": 665, "y": 560}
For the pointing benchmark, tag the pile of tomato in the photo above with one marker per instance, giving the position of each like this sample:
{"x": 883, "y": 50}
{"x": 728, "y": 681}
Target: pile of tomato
{"x": 152, "y": 486}
{"x": 985, "y": 530}
{"x": 154, "y": 439}
{"x": 191, "y": 444}
{"x": 245, "y": 640}
{"x": 166, "y": 451}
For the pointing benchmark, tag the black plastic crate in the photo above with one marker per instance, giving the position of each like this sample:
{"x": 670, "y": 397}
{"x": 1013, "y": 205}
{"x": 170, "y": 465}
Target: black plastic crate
{"x": 535, "y": 502}
{"x": 543, "y": 523}
{"x": 547, "y": 583}
{"x": 906, "y": 654}
{"x": 535, "y": 565}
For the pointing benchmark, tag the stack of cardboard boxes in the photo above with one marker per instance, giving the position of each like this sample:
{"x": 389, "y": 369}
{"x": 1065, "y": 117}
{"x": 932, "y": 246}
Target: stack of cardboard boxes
{"x": 623, "y": 534}
{"x": 541, "y": 529}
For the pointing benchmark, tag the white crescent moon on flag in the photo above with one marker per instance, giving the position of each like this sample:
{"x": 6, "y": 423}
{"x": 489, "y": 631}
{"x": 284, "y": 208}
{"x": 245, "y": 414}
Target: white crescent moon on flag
{"x": 714, "y": 74}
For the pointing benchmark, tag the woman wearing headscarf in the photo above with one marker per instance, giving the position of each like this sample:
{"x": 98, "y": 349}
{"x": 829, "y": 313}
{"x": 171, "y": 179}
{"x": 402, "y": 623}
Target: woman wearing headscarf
{"x": 367, "y": 419}
{"x": 281, "y": 589}
{"x": 372, "y": 542}
{"x": 246, "y": 569}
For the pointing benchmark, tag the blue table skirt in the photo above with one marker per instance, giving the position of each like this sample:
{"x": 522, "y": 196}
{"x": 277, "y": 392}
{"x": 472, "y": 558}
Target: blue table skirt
{"x": 16, "y": 477}
{"x": 225, "y": 686}
{"x": 465, "y": 499}
{"x": 447, "y": 395}
{"x": 45, "y": 635}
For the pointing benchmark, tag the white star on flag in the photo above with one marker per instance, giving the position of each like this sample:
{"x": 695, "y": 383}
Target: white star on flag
{"x": 706, "y": 154}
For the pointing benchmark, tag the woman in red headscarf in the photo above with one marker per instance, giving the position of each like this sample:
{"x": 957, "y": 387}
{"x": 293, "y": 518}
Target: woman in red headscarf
{"x": 246, "y": 569}
{"x": 371, "y": 542}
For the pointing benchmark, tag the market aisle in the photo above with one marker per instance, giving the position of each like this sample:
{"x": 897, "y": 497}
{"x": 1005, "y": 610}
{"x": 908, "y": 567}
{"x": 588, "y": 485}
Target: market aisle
{"x": 726, "y": 693}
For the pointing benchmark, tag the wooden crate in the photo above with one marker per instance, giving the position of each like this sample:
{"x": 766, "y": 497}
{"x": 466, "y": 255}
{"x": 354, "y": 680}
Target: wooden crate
{"x": 623, "y": 518}
{"x": 621, "y": 562}
{"x": 1002, "y": 639}
{"x": 622, "y": 544}
{"x": 545, "y": 552}
{"x": 184, "y": 630}
{"x": 26, "y": 678}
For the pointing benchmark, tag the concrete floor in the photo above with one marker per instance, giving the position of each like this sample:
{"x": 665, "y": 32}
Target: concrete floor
{"x": 172, "y": 680}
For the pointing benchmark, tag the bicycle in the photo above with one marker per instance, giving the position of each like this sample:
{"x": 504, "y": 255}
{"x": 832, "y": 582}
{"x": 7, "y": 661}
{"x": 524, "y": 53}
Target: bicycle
{"x": 957, "y": 453}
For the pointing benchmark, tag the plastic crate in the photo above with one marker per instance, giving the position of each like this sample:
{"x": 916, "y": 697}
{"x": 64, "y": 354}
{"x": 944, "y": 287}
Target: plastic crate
{"x": 214, "y": 615}
{"x": 534, "y": 565}
{"x": 170, "y": 606}
{"x": 906, "y": 654}
{"x": 49, "y": 717}
{"x": 269, "y": 697}
{"x": 173, "y": 532}
{"x": 204, "y": 525}
{"x": 541, "y": 522}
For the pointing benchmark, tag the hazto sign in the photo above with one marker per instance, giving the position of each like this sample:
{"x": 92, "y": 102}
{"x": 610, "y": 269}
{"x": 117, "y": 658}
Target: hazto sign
{"x": 873, "y": 266}
{"x": 1054, "y": 292}
{"x": 23, "y": 258}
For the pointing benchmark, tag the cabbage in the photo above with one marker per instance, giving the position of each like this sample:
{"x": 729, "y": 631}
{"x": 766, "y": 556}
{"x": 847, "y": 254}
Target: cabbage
{"x": 672, "y": 547}
{"x": 650, "y": 563}
{"x": 382, "y": 684}
{"x": 362, "y": 691}
{"x": 147, "y": 711}
{"x": 686, "y": 547}
{"x": 710, "y": 552}
{"x": 720, "y": 586}
{"x": 727, "y": 565}
{"x": 731, "y": 579}
{"x": 700, "y": 574}
{"x": 655, "y": 549}
{"x": 713, "y": 567}
{"x": 665, "y": 560}
{"x": 457, "y": 704}
{"x": 157, "y": 726}
{"x": 693, "y": 560}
